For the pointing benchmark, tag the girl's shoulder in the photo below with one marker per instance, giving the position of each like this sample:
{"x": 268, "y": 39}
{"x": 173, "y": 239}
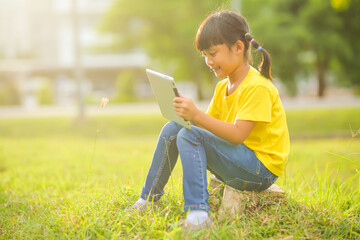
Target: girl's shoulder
{"x": 221, "y": 85}
{"x": 255, "y": 79}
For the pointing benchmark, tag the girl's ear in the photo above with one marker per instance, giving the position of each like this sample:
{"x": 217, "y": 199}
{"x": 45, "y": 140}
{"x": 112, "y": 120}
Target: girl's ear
{"x": 239, "y": 47}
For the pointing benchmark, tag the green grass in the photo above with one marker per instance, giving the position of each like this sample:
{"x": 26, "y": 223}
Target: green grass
{"x": 320, "y": 123}
{"x": 53, "y": 185}
{"x": 316, "y": 123}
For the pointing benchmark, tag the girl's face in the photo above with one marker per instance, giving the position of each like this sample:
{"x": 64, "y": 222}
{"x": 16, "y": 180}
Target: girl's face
{"x": 222, "y": 60}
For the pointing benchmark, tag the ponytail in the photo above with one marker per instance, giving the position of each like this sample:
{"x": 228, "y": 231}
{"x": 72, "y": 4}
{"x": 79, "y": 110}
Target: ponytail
{"x": 265, "y": 65}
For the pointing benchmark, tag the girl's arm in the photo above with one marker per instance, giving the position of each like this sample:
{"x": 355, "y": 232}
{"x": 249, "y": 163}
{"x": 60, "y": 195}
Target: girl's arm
{"x": 233, "y": 133}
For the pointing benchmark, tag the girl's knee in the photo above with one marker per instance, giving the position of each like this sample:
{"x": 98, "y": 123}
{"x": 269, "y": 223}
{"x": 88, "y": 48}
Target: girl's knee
{"x": 170, "y": 129}
{"x": 170, "y": 125}
{"x": 188, "y": 135}
{"x": 184, "y": 133}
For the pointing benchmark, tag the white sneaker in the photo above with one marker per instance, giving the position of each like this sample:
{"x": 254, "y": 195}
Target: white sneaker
{"x": 188, "y": 226}
{"x": 140, "y": 206}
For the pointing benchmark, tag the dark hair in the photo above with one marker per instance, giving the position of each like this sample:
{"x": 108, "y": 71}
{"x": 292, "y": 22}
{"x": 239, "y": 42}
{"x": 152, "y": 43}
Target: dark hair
{"x": 226, "y": 27}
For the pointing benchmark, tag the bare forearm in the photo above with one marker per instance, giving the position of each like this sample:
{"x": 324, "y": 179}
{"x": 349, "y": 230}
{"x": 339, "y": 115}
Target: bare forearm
{"x": 227, "y": 131}
{"x": 233, "y": 133}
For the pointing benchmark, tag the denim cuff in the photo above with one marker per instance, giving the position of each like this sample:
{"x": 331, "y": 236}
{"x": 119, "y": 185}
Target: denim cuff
{"x": 154, "y": 198}
{"x": 197, "y": 207}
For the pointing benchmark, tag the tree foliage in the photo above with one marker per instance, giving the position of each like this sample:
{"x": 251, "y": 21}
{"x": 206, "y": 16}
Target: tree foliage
{"x": 165, "y": 30}
{"x": 309, "y": 36}
{"x": 276, "y": 27}
{"x": 348, "y": 57}
{"x": 304, "y": 37}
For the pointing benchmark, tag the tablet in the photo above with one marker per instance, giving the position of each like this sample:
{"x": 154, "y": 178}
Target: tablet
{"x": 165, "y": 91}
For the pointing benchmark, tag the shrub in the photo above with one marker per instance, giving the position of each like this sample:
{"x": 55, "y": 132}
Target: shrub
{"x": 125, "y": 86}
{"x": 45, "y": 94}
{"x": 9, "y": 93}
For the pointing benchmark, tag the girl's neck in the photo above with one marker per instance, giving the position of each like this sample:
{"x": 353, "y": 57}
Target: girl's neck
{"x": 239, "y": 74}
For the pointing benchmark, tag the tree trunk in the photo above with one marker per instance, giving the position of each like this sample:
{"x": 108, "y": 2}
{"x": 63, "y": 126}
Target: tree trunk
{"x": 321, "y": 65}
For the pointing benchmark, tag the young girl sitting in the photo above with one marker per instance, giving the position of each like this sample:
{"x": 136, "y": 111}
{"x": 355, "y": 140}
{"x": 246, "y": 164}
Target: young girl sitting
{"x": 242, "y": 138}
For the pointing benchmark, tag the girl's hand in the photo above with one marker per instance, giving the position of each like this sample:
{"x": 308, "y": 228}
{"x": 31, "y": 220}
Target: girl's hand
{"x": 185, "y": 108}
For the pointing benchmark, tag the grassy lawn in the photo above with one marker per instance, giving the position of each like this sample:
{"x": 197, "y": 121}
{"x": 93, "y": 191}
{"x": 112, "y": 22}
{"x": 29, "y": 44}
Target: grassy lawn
{"x": 320, "y": 123}
{"x": 55, "y": 183}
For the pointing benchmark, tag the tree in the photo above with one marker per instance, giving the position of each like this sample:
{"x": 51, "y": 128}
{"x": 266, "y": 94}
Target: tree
{"x": 276, "y": 26}
{"x": 165, "y": 30}
{"x": 325, "y": 30}
{"x": 348, "y": 58}
{"x": 292, "y": 29}
{"x": 323, "y": 38}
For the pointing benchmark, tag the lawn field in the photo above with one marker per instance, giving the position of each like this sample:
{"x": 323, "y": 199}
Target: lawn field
{"x": 63, "y": 180}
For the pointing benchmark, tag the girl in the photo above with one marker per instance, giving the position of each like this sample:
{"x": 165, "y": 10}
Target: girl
{"x": 242, "y": 138}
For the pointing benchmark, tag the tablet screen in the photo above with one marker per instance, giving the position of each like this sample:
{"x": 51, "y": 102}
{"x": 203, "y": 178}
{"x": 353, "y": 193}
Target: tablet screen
{"x": 165, "y": 91}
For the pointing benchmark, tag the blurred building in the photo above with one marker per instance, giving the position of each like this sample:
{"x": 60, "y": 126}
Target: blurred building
{"x": 37, "y": 50}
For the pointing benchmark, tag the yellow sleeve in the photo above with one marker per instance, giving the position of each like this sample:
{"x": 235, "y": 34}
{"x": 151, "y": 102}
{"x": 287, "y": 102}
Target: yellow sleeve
{"x": 255, "y": 104}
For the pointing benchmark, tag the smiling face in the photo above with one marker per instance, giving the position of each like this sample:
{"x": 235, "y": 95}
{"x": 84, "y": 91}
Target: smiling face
{"x": 222, "y": 60}
{"x": 221, "y": 40}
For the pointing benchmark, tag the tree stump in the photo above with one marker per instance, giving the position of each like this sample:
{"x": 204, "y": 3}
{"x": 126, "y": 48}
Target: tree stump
{"x": 216, "y": 189}
{"x": 232, "y": 201}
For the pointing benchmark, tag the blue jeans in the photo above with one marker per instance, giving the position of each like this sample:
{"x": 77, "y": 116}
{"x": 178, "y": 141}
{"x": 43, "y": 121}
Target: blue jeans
{"x": 236, "y": 165}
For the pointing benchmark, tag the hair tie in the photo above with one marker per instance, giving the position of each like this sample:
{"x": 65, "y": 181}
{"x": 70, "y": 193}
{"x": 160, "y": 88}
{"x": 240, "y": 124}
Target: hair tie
{"x": 252, "y": 40}
{"x": 247, "y": 34}
{"x": 259, "y": 48}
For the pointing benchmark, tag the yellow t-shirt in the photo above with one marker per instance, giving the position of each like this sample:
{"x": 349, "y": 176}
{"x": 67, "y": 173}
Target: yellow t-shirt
{"x": 256, "y": 99}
